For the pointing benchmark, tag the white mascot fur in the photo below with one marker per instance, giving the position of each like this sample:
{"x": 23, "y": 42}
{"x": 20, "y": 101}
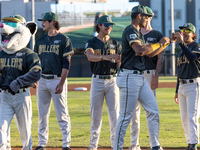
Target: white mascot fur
{"x": 16, "y": 77}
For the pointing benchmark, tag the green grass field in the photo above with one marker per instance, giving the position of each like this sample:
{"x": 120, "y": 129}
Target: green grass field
{"x": 171, "y": 131}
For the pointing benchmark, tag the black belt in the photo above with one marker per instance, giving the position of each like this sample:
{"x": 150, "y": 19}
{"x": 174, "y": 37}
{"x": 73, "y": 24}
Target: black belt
{"x": 13, "y": 93}
{"x": 185, "y": 81}
{"x": 50, "y": 77}
{"x": 135, "y": 71}
{"x": 104, "y": 76}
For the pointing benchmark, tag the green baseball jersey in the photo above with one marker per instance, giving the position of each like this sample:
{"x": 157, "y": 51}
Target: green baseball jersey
{"x": 17, "y": 64}
{"x": 152, "y": 37}
{"x": 51, "y": 52}
{"x": 186, "y": 69}
{"x": 110, "y": 47}
{"x": 130, "y": 60}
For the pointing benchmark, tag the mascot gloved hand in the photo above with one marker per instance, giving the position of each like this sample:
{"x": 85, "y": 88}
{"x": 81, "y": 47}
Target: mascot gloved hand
{"x": 15, "y": 34}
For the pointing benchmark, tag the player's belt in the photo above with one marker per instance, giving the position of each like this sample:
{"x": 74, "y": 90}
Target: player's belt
{"x": 50, "y": 76}
{"x": 19, "y": 91}
{"x": 132, "y": 71}
{"x": 104, "y": 76}
{"x": 185, "y": 81}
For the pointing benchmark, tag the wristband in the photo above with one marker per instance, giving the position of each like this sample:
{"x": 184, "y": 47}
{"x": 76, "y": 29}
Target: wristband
{"x": 101, "y": 57}
{"x": 165, "y": 46}
{"x": 156, "y": 46}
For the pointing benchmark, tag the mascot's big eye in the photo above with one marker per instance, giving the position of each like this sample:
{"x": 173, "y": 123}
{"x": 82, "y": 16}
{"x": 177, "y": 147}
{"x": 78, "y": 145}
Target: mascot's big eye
{"x": 12, "y": 24}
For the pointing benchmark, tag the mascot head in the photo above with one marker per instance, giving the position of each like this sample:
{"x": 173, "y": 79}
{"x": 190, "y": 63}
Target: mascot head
{"x": 15, "y": 33}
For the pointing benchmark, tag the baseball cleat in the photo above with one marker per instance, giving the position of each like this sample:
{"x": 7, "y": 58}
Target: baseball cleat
{"x": 134, "y": 147}
{"x": 156, "y": 148}
{"x": 193, "y": 147}
{"x": 40, "y": 148}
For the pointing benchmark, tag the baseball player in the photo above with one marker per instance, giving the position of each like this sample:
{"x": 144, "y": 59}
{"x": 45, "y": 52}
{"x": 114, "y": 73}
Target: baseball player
{"x": 19, "y": 67}
{"x": 54, "y": 51}
{"x": 153, "y": 67}
{"x": 103, "y": 52}
{"x": 132, "y": 82}
{"x": 187, "y": 89}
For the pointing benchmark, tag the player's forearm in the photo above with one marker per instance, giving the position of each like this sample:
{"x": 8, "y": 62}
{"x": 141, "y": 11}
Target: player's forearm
{"x": 64, "y": 75}
{"x": 159, "y": 64}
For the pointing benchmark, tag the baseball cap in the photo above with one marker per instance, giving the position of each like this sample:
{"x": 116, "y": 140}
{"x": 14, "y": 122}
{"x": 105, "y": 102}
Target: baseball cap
{"x": 49, "y": 16}
{"x": 98, "y": 13}
{"x": 16, "y": 18}
{"x": 139, "y": 9}
{"x": 149, "y": 11}
{"x": 105, "y": 19}
{"x": 189, "y": 26}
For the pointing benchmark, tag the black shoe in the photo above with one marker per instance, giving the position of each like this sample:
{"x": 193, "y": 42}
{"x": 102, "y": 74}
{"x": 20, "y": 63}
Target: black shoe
{"x": 188, "y": 147}
{"x": 156, "y": 148}
{"x": 193, "y": 147}
{"x": 40, "y": 148}
{"x": 66, "y": 148}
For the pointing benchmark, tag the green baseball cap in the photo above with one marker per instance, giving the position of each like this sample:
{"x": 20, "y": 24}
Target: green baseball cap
{"x": 139, "y": 9}
{"x": 105, "y": 19}
{"x": 16, "y": 18}
{"x": 189, "y": 26}
{"x": 149, "y": 11}
{"x": 49, "y": 16}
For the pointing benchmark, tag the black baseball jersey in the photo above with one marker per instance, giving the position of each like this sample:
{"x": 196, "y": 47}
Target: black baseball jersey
{"x": 17, "y": 64}
{"x": 51, "y": 51}
{"x": 110, "y": 47}
{"x": 186, "y": 69}
{"x": 130, "y": 60}
{"x": 152, "y": 37}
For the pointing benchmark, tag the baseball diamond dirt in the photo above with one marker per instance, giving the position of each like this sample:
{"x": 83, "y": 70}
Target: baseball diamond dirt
{"x": 85, "y": 148}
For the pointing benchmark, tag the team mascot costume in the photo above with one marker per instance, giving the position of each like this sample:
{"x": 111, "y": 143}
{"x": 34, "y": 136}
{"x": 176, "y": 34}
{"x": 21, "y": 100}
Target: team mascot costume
{"x": 20, "y": 68}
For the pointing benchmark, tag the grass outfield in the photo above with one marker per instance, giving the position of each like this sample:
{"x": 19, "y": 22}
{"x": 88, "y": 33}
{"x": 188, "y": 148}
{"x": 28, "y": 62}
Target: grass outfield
{"x": 171, "y": 131}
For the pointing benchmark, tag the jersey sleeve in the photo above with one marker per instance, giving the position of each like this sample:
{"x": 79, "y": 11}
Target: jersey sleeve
{"x": 88, "y": 46}
{"x": 196, "y": 49}
{"x": 33, "y": 62}
{"x": 68, "y": 48}
{"x": 132, "y": 37}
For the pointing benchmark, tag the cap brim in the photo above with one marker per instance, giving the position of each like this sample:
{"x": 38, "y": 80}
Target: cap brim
{"x": 11, "y": 19}
{"x": 40, "y": 19}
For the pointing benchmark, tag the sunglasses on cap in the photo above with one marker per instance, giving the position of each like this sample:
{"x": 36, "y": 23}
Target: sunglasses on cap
{"x": 108, "y": 25}
{"x": 145, "y": 16}
{"x": 186, "y": 31}
{"x": 12, "y": 24}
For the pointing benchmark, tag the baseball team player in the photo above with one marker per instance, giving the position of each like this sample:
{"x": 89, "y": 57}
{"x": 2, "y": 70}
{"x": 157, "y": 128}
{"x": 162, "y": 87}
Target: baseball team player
{"x": 20, "y": 67}
{"x": 153, "y": 67}
{"x": 132, "y": 82}
{"x": 54, "y": 51}
{"x": 103, "y": 52}
{"x": 187, "y": 89}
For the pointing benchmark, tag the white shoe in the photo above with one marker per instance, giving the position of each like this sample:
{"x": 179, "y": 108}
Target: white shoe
{"x": 90, "y": 148}
{"x": 134, "y": 147}
{"x": 156, "y": 148}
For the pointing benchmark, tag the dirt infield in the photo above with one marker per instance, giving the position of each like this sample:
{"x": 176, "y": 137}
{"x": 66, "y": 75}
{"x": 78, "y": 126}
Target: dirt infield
{"x": 71, "y": 87}
{"x": 99, "y": 148}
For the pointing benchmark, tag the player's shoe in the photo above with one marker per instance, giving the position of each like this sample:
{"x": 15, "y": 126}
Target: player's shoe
{"x": 134, "y": 147}
{"x": 193, "y": 147}
{"x": 156, "y": 148}
{"x": 40, "y": 148}
{"x": 90, "y": 148}
{"x": 66, "y": 148}
{"x": 188, "y": 147}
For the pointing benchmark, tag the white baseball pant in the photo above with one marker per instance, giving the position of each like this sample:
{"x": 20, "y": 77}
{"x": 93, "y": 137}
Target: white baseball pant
{"x": 134, "y": 87}
{"x": 20, "y": 105}
{"x": 101, "y": 88}
{"x": 135, "y": 121}
{"x": 189, "y": 102}
{"x": 46, "y": 91}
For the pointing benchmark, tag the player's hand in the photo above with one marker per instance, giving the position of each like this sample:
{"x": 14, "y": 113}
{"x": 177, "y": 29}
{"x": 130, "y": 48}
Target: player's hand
{"x": 165, "y": 41}
{"x": 154, "y": 83}
{"x": 173, "y": 37}
{"x": 59, "y": 88}
{"x": 112, "y": 57}
{"x": 35, "y": 85}
{"x": 176, "y": 98}
{"x": 179, "y": 37}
